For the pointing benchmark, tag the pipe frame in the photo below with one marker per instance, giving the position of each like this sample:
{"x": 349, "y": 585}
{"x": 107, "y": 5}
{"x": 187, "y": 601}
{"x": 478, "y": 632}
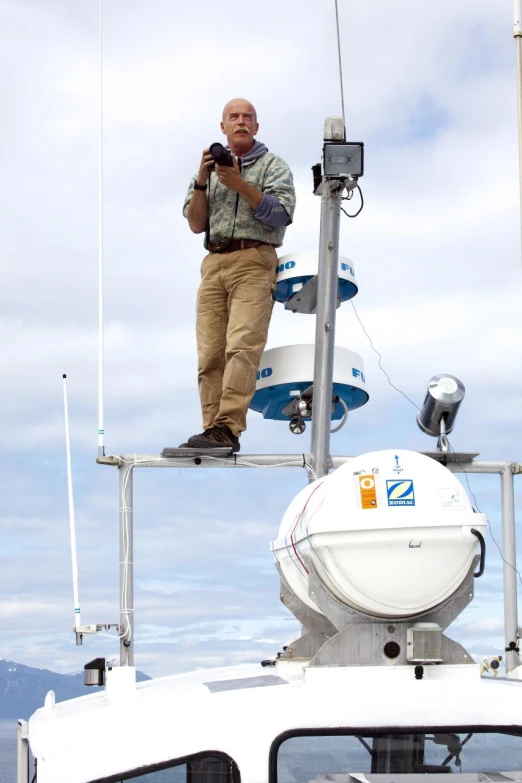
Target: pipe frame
{"x": 127, "y": 462}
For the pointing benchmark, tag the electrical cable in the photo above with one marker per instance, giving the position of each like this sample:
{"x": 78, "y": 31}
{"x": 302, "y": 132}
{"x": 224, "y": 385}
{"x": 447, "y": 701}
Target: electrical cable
{"x": 298, "y": 521}
{"x": 344, "y": 419}
{"x": 451, "y": 447}
{"x": 349, "y": 198}
{"x": 463, "y": 469}
{"x": 374, "y": 349}
{"x": 461, "y": 466}
{"x": 287, "y": 464}
{"x": 126, "y": 610}
{"x": 125, "y": 522}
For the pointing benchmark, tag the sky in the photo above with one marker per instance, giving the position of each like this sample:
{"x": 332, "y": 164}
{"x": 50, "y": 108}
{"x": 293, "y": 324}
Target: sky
{"x": 431, "y": 90}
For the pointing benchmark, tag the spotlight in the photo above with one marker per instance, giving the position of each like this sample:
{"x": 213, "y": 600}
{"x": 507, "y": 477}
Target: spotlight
{"x": 439, "y": 409}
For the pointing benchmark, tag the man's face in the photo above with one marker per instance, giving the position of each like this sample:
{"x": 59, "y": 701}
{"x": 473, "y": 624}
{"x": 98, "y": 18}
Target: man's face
{"x": 239, "y": 124}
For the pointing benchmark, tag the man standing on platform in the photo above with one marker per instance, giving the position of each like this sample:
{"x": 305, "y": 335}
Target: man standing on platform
{"x": 244, "y": 210}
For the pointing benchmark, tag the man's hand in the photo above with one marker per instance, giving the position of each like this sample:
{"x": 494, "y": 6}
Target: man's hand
{"x": 204, "y": 168}
{"x": 230, "y": 176}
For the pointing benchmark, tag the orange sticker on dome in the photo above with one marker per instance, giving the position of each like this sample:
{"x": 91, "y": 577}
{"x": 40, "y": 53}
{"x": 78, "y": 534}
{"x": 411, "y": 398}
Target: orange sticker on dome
{"x": 368, "y": 491}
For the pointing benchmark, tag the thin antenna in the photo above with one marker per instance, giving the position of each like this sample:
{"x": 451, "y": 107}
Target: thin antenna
{"x": 72, "y": 525}
{"x": 340, "y": 62}
{"x": 101, "y": 431}
{"x": 517, "y": 7}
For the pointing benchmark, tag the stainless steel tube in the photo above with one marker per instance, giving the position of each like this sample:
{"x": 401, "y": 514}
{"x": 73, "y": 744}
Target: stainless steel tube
{"x": 327, "y": 286}
{"x": 208, "y": 461}
{"x": 510, "y": 563}
{"x": 281, "y": 460}
{"x": 126, "y": 564}
{"x": 460, "y": 467}
{"x": 22, "y": 767}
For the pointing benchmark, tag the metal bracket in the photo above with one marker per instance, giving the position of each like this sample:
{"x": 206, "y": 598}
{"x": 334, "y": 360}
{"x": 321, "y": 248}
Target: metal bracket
{"x": 111, "y": 460}
{"x": 442, "y": 440}
{"x": 300, "y": 408}
{"x": 92, "y": 629}
{"x": 305, "y": 300}
{"x": 330, "y": 184}
{"x": 170, "y": 452}
{"x": 358, "y": 638}
{"x": 445, "y": 457}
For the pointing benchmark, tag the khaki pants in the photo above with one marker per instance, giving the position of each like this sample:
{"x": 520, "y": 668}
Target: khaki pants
{"x": 234, "y": 307}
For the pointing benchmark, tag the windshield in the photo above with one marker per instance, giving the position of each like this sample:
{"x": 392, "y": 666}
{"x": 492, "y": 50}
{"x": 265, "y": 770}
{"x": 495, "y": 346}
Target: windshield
{"x": 202, "y": 768}
{"x": 478, "y": 756}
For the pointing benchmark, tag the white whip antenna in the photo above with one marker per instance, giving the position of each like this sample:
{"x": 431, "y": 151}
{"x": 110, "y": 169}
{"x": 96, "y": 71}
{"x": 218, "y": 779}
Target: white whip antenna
{"x": 72, "y": 524}
{"x": 101, "y": 431}
{"x": 340, "y": 62}
{"x": 517, "y": 7}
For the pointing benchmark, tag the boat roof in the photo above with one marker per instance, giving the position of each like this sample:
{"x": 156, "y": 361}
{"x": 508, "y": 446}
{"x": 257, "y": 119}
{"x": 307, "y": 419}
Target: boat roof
{"x": 242, "y": 710}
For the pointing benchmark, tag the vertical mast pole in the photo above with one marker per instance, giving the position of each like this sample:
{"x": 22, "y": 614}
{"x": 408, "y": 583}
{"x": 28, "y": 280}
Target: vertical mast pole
{"x": 126, "y": 633}
{"x": 509, "y": 567}
{"x": 101, "y": 432}
{"x": 327, "y": 286}
{"x": 517, "y": 4}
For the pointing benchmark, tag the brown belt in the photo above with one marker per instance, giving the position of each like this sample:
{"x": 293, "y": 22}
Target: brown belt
{"x": 229, "y": 246}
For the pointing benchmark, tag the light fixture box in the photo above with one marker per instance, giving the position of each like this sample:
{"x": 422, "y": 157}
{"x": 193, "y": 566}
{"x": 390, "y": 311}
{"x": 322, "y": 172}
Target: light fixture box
{"x": 343, "y": 159}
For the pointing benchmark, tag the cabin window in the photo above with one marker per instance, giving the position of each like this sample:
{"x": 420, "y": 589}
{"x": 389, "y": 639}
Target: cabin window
{"x": 398, "y": 756}
{"x": 211, "y": 767}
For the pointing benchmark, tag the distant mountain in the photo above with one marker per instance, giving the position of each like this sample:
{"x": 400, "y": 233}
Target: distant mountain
{"x": 23, "y": 689}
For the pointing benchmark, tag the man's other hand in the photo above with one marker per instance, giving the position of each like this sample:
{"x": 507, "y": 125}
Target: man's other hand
{"x": 230, "y": 176}
{"x": 204, "y": 168}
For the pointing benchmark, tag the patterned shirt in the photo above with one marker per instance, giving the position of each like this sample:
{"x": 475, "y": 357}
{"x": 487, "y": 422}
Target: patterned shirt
{"x": 268, "y": 174}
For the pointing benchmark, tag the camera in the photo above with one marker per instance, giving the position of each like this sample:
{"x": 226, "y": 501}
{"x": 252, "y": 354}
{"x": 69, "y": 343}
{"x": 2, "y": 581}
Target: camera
{"x": 221, "y": 155}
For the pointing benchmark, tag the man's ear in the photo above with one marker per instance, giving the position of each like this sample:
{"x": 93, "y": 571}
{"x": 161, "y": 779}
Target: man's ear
{"x": 222, "y": 127}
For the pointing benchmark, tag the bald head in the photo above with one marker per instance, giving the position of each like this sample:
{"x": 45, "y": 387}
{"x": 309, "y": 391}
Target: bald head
{"x": 239, "y": 124}
{"x": 239, "y": 103}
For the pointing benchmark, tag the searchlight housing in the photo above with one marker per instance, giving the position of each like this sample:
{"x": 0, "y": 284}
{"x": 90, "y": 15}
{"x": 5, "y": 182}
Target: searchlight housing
{"x": 440, "y": 407}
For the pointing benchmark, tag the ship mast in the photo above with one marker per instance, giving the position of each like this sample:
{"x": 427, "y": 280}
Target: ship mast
{"x": 331, "y": 191}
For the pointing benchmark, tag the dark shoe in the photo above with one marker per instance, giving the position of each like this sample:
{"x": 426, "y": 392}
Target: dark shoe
{"x": 189, "y": 443}
{"x": 217, "y": 437}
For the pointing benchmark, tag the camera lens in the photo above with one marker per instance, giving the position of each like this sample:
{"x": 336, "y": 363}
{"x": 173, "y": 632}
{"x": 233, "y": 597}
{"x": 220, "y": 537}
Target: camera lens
{"x": 217, "y": 150}
{"x": 220, "y": 154}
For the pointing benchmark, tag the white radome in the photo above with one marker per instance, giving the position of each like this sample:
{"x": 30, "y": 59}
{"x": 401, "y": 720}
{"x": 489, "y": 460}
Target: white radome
{"x": 388, "y": 533}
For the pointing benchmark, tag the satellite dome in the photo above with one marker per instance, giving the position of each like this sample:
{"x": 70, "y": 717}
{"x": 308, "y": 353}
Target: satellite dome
{"x": 388, "y": 534}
